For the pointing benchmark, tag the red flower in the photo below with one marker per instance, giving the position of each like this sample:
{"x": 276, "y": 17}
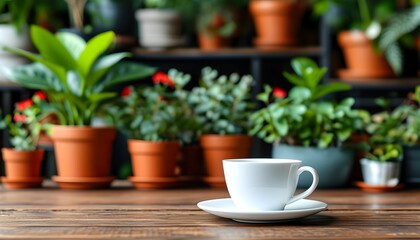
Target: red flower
{"x": 40, "y": 95}
{"x": 126, "y": 92}
{"x": 19, "y": 118}
{"x": 24, "y": 104}
{"x": 164, "y": 79}
{"x": 279, "y": 93}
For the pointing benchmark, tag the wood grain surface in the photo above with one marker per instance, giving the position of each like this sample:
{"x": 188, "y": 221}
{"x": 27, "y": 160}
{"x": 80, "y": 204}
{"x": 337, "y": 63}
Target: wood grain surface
{"x": 126, "y": 213}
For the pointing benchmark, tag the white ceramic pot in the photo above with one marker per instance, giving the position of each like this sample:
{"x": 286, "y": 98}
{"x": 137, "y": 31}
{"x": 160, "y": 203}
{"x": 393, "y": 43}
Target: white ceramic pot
{"x": 159, "y": 28}
{"x": 12, "y": 38}
{"x": 377, "y": 173}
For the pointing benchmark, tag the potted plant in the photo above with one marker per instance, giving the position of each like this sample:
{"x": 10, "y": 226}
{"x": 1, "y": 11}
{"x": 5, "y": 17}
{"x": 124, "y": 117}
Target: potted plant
{"x": 360, "y": 25}
{"x": 79, "y": 78}
{"x": 401, "y": 126}
{"x": 410, "y": 138}
{"x": 222, "y": 105}
{"x": 276, "y": 22}
{"x": 15, "y": 15}
{"x": 161, "y": 24}
{"x": 23, "y": 160}
{"x": 151, "y": 118}
{"x": 215, "y": 24}
{"x": 381, "y": 167}
{"x": 304, "y": 125}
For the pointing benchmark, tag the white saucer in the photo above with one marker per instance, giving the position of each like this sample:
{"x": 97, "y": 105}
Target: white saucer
{"x": 226, "y": 208}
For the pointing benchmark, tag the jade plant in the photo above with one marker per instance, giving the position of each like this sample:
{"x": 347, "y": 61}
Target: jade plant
{"x": 304, "y": 117}
{"x": 79, "y": 77}
{"x": 222, "y": 103}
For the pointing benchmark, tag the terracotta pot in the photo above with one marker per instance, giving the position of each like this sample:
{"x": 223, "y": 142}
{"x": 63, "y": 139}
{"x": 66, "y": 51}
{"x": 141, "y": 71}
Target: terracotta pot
{"x": 153, "y": 159}
{"x": 357, "y": 139}
{"x": 276, "y": 22}
{"x": 361, "y": 59}
{"x": 84, "y": 153}
{"x": 212, "y": 43}
{"x": 154, "y": 163}
{"x": 219, "y": 147}
{"x": 44, "y": 139}
{"x": 22, "y": 168}
{"x": 192, "y": 162}
{"x": 22, "y": 164}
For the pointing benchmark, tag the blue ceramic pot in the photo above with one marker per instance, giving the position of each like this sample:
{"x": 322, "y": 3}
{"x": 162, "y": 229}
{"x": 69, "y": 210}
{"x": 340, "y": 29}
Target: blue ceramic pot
{"x": 334, "y": 165}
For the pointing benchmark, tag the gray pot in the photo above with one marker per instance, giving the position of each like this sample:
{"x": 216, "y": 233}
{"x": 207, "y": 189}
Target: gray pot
{"x": 159, "y": 28}
{"x": 333, "y": 164}
{"x": 384, "y": 174}
{"x": 411, "y": 166}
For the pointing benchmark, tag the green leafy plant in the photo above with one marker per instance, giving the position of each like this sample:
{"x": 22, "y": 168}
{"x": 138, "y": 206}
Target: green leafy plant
{"x": 400, "y": 125}
{"x": 401, "y": 26}
{"x": 21, "y": 13}
{"x": 78, "y": 76}
{"x": 304, "y": 117}
{"x": 222, "y": 103}
{"x": 385, "y": 152}
{"x": 372, "y": 17}
{"x": 155, "y": 112}
{"x": 25, "y": 125}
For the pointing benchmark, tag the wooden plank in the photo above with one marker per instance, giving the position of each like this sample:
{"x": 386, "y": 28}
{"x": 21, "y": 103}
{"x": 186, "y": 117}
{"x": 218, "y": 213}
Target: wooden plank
{"x": 122, "y": 213}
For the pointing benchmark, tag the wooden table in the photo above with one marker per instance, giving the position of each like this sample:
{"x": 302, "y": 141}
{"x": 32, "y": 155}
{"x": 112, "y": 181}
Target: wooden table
{"x": 125, "y": 213}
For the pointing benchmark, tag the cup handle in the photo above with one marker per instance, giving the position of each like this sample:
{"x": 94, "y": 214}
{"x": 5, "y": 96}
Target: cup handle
{"x": 315, "y": 180}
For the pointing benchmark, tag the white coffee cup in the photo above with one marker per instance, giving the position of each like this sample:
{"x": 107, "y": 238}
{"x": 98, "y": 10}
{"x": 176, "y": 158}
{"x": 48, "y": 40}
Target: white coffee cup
{"x": 259, "y": 184}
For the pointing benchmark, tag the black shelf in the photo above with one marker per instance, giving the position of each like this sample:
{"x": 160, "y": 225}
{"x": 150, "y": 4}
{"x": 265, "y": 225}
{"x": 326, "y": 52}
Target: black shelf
{"x": 228, "y": 53}
{"x": 392, "y": 84}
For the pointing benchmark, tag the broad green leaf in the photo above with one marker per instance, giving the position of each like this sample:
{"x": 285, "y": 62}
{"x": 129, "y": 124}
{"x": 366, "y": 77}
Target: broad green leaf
{"x": 72, "y": 42}
{"x": 74, "y": 83}
{"x": 315, "y": 77}
{"x": 102, "y": 66}
{"x": 94, "y": 49}
{"x": 124, "y": 72}
{"x": 96, "y": 97}
{"x": 51, "y": 48}
{"x": 281, "y": 126}
{"x": 59, "y": 71}
{"x": 347, "y": 102}
{"x": 34, "y": 76}
{"x": 330, "y": 88}
{"x": 294, "y": 79}
{"x": 302, "y": 64}
{"x": 300, "y": 94}
{"x": 394, "y": 56}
